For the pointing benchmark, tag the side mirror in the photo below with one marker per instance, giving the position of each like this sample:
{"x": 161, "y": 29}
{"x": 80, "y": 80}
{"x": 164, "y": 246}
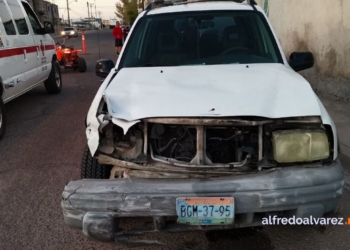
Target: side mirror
{"x": 103, "y": 67}
{"x": 49, "y": 28}
{"x": 301, "y": 60}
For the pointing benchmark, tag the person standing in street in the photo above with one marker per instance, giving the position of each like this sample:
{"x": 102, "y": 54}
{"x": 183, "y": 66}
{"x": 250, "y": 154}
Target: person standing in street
{"x": 118, "y": 36}
{"x": 126, "y": 31}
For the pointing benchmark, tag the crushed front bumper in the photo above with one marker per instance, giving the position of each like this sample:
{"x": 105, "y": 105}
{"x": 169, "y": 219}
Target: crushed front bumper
{"x": 96, "y": 205}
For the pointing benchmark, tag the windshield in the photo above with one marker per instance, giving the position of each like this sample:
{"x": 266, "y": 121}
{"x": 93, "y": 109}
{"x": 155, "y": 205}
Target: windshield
{"x": 68, "y": 29}
{"x": 203, "y": 38}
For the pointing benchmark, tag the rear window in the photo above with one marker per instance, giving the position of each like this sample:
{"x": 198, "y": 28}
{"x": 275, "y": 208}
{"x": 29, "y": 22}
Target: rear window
{"x": 6, "y": 19}
{"x": 201, "y": 38}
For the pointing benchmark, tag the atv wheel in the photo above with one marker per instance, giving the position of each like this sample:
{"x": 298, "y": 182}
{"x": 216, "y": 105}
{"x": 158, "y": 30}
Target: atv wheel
{"x": 2, "y": 118}
{"x": 53, "y": 84}
{"x": 91, "y": 169}
{"x": 81, "y": 64}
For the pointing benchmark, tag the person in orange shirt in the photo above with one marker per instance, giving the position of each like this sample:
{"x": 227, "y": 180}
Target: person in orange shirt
{"x": 118, "y": 36}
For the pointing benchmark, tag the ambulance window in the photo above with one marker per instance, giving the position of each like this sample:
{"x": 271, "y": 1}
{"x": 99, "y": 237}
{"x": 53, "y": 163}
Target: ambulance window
{"x": 32, "y": 18}
{"x": 6, "y": 19}
{"x": 18, "y": 16}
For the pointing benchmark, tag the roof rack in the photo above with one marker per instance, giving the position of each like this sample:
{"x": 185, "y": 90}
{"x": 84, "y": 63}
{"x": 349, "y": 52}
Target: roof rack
{"x": 163, "y": 3}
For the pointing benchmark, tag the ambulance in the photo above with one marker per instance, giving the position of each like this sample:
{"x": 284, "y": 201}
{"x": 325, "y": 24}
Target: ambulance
{"x": 27, "y": 54}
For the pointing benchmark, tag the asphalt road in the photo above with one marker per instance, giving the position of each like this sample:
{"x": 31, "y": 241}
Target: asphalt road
{"x": 42, "y": 151}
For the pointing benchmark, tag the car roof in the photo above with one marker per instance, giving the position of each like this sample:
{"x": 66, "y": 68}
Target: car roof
{"x": 203, "y": 6}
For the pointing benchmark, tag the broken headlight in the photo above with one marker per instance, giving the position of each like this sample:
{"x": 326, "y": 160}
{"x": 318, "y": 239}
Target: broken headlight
{"x": 300, "y": 146}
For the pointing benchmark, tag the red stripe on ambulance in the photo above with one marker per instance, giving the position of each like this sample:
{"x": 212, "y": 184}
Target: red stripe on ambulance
{"x": 20, "y": 51}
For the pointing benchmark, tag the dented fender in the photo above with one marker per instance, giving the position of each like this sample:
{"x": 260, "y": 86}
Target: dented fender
{"x": 95, "y": 122}
{"x": 92, "y": 121}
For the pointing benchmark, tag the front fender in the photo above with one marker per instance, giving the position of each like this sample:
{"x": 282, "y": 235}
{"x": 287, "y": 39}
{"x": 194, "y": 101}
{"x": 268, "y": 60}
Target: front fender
{"x": 92, "y": 123}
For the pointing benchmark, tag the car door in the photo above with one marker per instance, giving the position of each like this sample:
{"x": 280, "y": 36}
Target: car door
{"x": 44, "y": 43}
{"x": 30, "y": 51}
{"x": 12, "y": 63}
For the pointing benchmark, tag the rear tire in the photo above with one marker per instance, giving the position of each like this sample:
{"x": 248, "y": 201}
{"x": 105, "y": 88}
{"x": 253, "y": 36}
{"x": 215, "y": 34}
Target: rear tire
{"x": 2, "y": 119}
{"x": 81, "y": 64}
{"x": 91, "y": 169}
{"x": 53, "y": 84}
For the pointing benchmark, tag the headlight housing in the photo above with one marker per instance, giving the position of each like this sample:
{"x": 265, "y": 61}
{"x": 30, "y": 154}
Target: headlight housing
{"x": 72, "y": 32}
{"x": 292, "y": 146}
{"x": 62, "y": 33}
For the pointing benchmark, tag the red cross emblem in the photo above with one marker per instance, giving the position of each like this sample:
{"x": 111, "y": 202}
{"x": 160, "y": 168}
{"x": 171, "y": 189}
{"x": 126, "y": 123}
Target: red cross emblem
{"x": 42, "y": 47}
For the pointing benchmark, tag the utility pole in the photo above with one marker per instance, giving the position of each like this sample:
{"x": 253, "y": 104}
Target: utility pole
{"x": 88, "y": 11}
{"x": 68, "y": 13}
{"x": 95, "y": 13}
{"x": 91, "y": 20}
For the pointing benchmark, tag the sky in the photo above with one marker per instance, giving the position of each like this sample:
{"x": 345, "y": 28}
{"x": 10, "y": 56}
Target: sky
{"x": 79, "y": 8}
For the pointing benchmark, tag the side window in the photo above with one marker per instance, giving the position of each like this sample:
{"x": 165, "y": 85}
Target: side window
{"x": 6, "y": 19}
{"x": 32, "y": 18}
{"x": 18, "y": 16}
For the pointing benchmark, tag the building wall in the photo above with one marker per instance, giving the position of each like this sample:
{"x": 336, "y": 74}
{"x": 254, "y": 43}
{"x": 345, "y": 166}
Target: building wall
{"x": 50, "y": 12}
{"x": 47, "y": 11}
{"x": 319, "y": 26}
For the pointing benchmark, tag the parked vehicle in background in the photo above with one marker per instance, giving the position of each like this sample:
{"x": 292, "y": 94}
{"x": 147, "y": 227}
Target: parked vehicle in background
{"x": 27, "y": 54}
{"x": 203, "y": 124}
{"x": 69, "y": 32}
{"x": 81, "y": 27}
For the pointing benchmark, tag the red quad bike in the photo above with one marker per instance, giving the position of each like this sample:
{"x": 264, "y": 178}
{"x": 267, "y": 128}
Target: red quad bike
{"x": 68, "y": 57}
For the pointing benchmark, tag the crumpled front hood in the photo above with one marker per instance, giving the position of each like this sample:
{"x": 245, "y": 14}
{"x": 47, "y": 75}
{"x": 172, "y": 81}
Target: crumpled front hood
{"x": 264, "y": 90}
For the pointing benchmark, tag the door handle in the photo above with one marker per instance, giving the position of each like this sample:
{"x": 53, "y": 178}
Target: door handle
{"x": 37, "y": 52}
{"x": 10, "y": 84}
{"x": 25, "y": 55}
{"x": 13, "y": 83}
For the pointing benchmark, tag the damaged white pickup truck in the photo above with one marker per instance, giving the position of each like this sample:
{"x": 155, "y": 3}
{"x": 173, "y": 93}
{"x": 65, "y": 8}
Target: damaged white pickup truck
{"x": 203, "y": 124}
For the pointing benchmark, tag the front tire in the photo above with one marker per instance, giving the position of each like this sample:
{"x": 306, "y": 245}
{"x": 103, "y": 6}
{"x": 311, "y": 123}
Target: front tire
{"x": 53, "y": 84}
{"x": 81, "y": 64}
{"x": 91, "y": 169}
{"x": 2, "y": 119}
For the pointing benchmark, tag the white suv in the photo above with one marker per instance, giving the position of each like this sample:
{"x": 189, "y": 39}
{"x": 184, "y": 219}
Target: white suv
{"x": 69, "y": 32}
{"x": 203, "y": 124}
{"x": 27, "y": 54}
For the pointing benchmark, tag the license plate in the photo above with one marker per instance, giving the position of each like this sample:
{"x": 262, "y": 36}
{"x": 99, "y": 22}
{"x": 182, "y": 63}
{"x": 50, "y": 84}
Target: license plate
{"x": 205, "y": 211}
